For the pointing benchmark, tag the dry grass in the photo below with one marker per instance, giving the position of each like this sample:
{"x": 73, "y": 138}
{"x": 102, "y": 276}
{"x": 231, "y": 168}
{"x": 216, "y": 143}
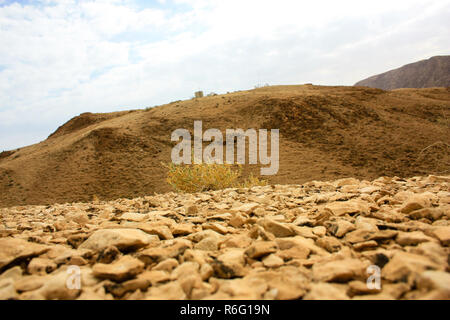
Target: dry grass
{"x": 204, "y": 177}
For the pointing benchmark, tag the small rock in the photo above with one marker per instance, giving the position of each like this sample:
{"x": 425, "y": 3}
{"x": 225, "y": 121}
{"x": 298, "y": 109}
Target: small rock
{"x": 120, "y": 238}
{"x": 404, "y": 265}
{"x": 261, "y": 248}
{"x": 12, "y": 249}
{"x": 330, "y": 244}
{"x": 123, "y": 269}
{"x": 163, "y": 232}
{"x": 278, "y": 229}
{"x": 353, "y": 206}
{"x": 341, "y": 227}
{"x": 41, "y": 266}
{"x": 133, "y": 216}
{"x": 208, "y": 244}
{"x": 230, "y": 264}
{"x": 325, "y": 291}
{"x": 339, "y": 270}
{"x": 13, "y": 273}
{"x": 169, "y": 291}
{"x": 272, "y": 261}
{"x": 416, "y": 202}
{"x": 443, "y": 234}
{"x": 166, "y": 265}
{"x": 412, "y": 238}
{"x": 435, "y": 280}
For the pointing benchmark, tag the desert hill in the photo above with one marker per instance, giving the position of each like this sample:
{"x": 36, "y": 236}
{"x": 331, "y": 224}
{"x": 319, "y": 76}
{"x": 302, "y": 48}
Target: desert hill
{"x": 433, "y": 72}
{"x": 325, "y": 133}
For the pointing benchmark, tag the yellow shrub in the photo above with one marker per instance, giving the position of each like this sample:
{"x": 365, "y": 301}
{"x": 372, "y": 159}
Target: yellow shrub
{"x": 203, "y": 177}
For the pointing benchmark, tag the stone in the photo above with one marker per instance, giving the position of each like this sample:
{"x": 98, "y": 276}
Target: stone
{"x": 298, "y": 248}
{"x": 12, "y": 249}
{"x": 362, "y": 223}
{"x": 14, "y": 273}
{"x": 199, "y": 236}
{"x": 360, "y": 246}
{"x": 278, "y": 229}
{"x": 208, "y": 244}
{"x": 215, "y": 227}
{"x": 237, "y": 220}
{"x": 230, "y": 264}
{"x": 412, "y": 238}
{"x": 357, "y": 287}
{"x": 319, "y": 231}
{"x": 30, "y": 283}
{"x": 359, "y": 236}
{"x": 236, "y": 241}
{"x": 7, "y": 290}
{"x": 191, "y": 209}
{"x": 405, "y": 265}
{"x": 330, "y": 244}
{"x": 119, "y": 289}
{"x": 432, "y": 214}
{"x": 339, "y": 270}
{"x": 286, "y": 283}
{"x": 158, "y": 254}
{"x": 325, "y": 291}
{"x": 41, "y": 266}
{"x": 166, "y": 265}
{"x": 341, "y": 227}
{"x": 272, "y": 261}
{"x": 261, "y": 248}
{"x": 155, "y": 276}
{"x": 247, "y": 288}
{"x": 123, "y": 269}
{"x": 442, "y": 234}
{"x": 163, "y": 232}
{"x": 133, "y": 216}
{"x": 435, "y": 280}
{"x": 108, "y": 255}
{"x": 185, "y": 269}
{"x": 55, "y": 287}
{"x": 183, "y": 229}
{"x": 123, "y": 239}
{"x": 169, "y": 291}
{"x": 206, "y": 271}
{"x": 416, "y": 202}
{"x": 246, "y": 208}
{"x": 353, "y": 206}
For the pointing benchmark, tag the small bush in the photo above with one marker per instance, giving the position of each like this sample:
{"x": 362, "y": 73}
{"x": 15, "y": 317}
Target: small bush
{"x": 204, "y": 177}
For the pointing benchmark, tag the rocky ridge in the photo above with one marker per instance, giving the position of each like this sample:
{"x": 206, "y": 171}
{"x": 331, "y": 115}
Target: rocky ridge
{"x": 318, "y": 240}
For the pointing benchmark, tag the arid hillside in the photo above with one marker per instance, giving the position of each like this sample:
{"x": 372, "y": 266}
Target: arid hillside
{"x": 433, "y": 72}
{"x": 325, "y": 133}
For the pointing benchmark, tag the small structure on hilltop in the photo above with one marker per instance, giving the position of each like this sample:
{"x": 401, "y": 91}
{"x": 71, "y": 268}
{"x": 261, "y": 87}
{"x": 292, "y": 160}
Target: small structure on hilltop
{"x": 199, "y": 94}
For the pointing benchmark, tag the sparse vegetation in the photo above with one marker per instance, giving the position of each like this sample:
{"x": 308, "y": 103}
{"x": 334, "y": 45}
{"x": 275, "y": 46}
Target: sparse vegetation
{"x": 204, "y": 177}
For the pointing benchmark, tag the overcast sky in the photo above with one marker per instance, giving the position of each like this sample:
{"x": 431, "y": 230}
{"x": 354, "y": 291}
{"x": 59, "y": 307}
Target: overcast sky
{"x": 62, "y": 58}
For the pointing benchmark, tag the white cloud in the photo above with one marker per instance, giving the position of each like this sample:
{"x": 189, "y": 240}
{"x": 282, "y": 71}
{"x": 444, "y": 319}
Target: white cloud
{"x": 61, "y": 58}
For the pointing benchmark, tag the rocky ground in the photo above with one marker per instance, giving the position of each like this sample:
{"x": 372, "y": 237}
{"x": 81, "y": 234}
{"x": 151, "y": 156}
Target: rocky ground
{"x": 311, "y": 241}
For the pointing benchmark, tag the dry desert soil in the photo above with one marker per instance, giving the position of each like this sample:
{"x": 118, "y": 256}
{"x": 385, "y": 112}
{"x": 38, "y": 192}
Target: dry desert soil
{"x": 319, "y": 240}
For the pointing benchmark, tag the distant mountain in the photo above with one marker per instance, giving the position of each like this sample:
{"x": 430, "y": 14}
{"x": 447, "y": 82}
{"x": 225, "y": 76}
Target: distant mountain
{"x": 433, "y": 72}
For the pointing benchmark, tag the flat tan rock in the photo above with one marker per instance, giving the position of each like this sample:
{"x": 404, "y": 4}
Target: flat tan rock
{"x": 12, "y": 249}
{"x": 339, "y": 270}
{"x": 123, "y": 269}
{"x": 120, "y": 238}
